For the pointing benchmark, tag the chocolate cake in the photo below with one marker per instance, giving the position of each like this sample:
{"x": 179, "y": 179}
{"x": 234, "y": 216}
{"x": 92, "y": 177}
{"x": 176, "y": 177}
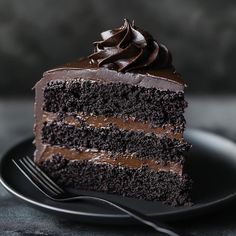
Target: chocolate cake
{"x": 113, "y": 122}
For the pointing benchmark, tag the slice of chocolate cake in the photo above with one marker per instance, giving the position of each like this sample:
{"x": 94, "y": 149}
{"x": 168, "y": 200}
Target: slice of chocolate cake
{"x": 113, "y": 122}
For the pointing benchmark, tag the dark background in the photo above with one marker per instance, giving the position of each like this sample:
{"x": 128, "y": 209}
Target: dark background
{"x": 38, "y": 35}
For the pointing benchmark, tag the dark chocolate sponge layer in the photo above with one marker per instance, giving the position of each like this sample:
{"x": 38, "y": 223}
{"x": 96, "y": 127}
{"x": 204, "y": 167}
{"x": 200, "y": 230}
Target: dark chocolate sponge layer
{"x": 147, "y": 146}
{"x": 137, "y": 183}
{"x": 144, "y": 104}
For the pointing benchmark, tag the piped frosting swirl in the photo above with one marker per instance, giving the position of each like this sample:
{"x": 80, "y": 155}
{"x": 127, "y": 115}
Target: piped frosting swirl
{"x": 128, "y": 48}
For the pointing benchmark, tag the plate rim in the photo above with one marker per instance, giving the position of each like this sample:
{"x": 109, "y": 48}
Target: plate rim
{"x": 171, "y": 213}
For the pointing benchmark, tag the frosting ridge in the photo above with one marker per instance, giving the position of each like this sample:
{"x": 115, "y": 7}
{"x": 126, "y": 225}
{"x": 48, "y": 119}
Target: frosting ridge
{"x": 128, "y": 48}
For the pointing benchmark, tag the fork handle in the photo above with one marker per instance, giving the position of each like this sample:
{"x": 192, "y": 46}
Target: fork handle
{"x": 159, "y": 227}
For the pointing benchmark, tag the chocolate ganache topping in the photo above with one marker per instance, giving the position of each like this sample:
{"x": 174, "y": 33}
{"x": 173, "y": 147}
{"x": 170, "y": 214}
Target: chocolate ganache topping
{"x": 128, "y": 48}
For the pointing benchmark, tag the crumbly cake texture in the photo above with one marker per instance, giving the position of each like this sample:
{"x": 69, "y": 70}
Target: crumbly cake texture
{"x": 144, "y": 104}
{"x": 147, "y": 146}
{"x": 139, "y": 183}
{"x": 113, "y": 122}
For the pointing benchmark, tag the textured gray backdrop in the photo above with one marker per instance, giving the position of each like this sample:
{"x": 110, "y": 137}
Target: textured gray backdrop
{"x": 37, "y": 35}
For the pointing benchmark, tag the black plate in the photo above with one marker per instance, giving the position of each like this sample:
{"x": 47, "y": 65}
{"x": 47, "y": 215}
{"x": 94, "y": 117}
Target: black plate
{"x": 211, "y": 162}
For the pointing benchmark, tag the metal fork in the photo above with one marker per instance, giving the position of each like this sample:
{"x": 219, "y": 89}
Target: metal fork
{"x": 49, "y": 188}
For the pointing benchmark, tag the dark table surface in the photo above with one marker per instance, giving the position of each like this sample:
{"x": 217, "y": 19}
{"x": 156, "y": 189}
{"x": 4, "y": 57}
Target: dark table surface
{"x": 215, "y": 113}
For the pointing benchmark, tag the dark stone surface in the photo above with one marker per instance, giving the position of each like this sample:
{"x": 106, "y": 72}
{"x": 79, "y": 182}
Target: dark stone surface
{"x": 37, "y": 35}
{"x": 213, "y": 113}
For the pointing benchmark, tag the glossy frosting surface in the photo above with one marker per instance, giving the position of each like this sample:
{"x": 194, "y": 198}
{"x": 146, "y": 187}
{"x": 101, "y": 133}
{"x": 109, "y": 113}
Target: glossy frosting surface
{"x": 126, "y": 54}
{"x": 128, "y": 48}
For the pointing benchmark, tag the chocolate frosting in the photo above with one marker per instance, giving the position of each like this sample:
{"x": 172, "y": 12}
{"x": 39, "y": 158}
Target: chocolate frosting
{"x": 102, "y": 121}
{"x": 96, "y": 156}
{"x": 128, "y": 48}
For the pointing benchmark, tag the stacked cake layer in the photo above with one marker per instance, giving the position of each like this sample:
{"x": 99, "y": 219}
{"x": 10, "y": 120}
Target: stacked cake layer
{"x": 123, "y": 138}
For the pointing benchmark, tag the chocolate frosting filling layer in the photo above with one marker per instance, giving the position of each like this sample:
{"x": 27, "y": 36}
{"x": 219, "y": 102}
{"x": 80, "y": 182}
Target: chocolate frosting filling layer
{"x": 128, "y": 48}
{"x": 102, "y": 121}
{"x": 122, "y": 160}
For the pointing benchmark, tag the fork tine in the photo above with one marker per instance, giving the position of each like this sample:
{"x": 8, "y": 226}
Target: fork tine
{"x": 39, "y": 176}
{"x": 44, "y": 176}
{"x": 37, "y": 182}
